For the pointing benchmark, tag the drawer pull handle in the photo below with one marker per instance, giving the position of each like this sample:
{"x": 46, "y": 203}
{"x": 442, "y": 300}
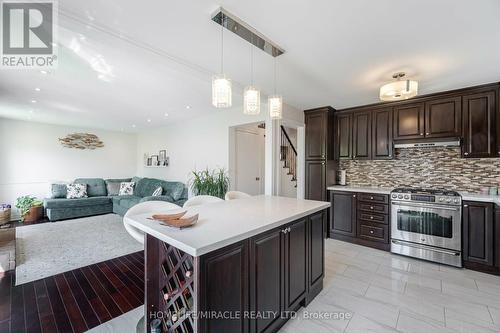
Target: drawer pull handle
{"x": 371, "y": 231}
{"x": 371, "y": 198}
{"x": 371, "y": 207}
{"x": 371, "y": 217}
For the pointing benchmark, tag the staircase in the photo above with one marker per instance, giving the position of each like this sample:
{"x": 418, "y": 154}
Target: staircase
{"x": 288, "y": 156}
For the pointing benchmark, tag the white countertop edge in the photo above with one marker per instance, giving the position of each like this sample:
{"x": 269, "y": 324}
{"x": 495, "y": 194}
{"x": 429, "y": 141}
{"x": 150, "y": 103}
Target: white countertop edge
{"x": 225, "y": 242}
{"x": 347, "y": 188}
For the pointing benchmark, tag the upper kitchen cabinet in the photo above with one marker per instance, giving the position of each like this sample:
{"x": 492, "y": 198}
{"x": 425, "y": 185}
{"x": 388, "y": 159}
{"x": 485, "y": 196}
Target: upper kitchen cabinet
{"x": 317, "y": 133}
{"x": 382, "y": 147}
{"x": 443, "y": 117}
{"x": 409, "y": 121}
{"x": 479, "y": 124}
{"x": 362, "y": 140}
{"x": 343, "y": 144}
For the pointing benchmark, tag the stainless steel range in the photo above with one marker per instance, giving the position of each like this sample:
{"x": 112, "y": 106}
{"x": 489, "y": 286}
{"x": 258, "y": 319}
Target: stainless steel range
{"x": 427, "y": 224}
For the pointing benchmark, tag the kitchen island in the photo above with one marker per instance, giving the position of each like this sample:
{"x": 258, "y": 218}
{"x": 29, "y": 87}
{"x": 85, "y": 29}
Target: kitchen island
{"x": 244, "y": 267}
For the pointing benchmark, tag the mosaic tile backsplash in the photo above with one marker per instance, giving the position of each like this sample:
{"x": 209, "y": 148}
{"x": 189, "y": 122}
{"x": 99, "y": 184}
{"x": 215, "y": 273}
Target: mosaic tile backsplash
{"x": 427, "y": 168}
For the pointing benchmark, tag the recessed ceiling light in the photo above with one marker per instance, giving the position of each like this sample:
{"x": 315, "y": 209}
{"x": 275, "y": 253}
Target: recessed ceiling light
{"x": 33, "y": 101}
{"x": 149, "y": 120}
{"x": 37, "y": 89}
{"x": 188, "y": 107}
{"x": 166, "y": 114}
{"x": 133, "y": 126}
{"x": 44, "y": 72}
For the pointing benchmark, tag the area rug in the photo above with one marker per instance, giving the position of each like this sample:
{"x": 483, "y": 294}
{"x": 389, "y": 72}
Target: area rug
{"x": 48, "y": 249}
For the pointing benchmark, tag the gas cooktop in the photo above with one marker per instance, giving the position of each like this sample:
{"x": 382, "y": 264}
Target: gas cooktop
{"x": 412, "y": 190}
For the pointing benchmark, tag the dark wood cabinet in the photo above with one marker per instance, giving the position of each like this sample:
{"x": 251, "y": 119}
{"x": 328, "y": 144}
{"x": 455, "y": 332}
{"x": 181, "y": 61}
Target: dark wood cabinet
{"x": 479, "y": 124}
{"x": 295, "y": 265}
{"x": 316, "y": 134}
{"x": 382, "y": 147}
{"x": 496, "y": 239}
{"x": 316, "y": 249}
{"x": 343, "y": 216}
{"x": 267, "y": 279}
{"x": 362, "y": 139}
{"x": 443, "y": 118}
{"x": 478, "y": 233}
{"x": 343, "y": 128}
{"x": 409, "y": 121}
{"x": 225, "y": 283}
{"x": 316, "y": 180}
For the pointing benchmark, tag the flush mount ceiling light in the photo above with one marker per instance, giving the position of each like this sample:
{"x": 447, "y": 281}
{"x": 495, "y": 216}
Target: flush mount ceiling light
{"x": 399, "y": 90}
{"x": 221, "y": 85}
{"x": 275, "y": 101}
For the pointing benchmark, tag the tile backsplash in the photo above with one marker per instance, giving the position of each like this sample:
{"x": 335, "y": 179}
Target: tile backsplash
{"x": 427, "y": 168}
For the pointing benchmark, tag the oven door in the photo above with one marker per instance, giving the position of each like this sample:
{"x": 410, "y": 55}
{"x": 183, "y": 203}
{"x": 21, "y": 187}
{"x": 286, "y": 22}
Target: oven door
{"x": 428, "y": 224}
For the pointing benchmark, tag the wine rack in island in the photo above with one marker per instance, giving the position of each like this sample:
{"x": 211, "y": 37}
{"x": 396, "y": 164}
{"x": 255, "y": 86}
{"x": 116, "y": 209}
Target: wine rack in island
{"x": 228, "y": 289}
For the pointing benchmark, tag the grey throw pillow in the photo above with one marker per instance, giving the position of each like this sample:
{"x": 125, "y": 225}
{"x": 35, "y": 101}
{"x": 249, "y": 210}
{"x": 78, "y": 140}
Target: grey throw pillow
{"x": 58, "y": 191}
{"x": 113, "y": 188}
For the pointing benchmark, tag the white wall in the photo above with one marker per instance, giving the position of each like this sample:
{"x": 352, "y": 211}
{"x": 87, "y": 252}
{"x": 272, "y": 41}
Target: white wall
{"x": 201, "y": 142}
{"x": 31, "y": 157}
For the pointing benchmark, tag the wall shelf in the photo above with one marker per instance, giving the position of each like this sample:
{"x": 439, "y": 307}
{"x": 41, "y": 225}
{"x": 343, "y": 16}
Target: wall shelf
{"x": 156, "y": 166}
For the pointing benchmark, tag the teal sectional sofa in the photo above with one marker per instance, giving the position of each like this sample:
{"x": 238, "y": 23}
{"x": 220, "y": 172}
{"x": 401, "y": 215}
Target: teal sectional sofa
{"x": 100, "y": 202}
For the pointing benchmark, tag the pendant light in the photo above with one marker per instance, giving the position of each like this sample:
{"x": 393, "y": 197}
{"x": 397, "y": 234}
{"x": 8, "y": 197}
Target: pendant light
{"x": 275, "y": 101}
{"x": 251, "y": 95}
{"x": 221, "y": 85}
{"x": 399, "y": 90}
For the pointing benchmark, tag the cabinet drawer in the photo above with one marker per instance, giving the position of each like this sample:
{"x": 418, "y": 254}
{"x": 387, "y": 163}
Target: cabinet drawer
{"x": 375, "y": 198}
{"x": 374, "y": 232}
{"x": 372, "y": 207}
{"x": 371, "y": 217}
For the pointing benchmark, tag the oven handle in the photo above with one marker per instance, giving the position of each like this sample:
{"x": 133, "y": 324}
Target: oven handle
{"x": 455, "y": 209}
{"x": 424, "y": 247}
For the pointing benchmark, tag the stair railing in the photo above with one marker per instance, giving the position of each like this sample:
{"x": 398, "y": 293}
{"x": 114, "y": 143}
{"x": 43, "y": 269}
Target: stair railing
{"x": 288, "y": 154}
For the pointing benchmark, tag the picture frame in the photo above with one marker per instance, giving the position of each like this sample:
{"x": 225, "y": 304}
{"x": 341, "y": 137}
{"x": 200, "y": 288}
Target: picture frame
{"x": 162, "y": 155}
{"x": 154, "y": 160}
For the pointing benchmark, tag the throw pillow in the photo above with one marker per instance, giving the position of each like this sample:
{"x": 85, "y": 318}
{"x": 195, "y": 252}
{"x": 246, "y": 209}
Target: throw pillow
{"x": 58, "y": 191}
{"x": 157, "y": 192}
{"x": 76, "y": 191}
{"x": 113, "y": 188}
{"x": 126, "y": 188}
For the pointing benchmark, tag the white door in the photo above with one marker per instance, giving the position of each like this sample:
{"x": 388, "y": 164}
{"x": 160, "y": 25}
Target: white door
{"x": 249, "y": 162}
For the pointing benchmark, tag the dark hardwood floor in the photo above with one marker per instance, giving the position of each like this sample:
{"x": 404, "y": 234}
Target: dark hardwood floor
{"x": 73, "y": 301}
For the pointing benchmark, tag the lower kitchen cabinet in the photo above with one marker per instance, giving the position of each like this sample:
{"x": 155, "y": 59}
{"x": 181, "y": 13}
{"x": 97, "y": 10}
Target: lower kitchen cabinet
{"x": 478, "y": 235}
{"x": 343, "y": 216}
{"x": 361, "y": 218}
{"x": 286, "y": 270}
{"x": 316, "y": 180}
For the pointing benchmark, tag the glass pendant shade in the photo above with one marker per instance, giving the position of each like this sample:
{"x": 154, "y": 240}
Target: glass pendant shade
{"x": 399, "y": 90}
{"x": 251, "y": 101}
{"x": 221, "y": 91}
{"x": 275, "y": 107}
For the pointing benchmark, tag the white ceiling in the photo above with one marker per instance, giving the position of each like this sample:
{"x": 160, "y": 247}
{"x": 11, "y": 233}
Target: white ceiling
{"x": 122, "y": 62}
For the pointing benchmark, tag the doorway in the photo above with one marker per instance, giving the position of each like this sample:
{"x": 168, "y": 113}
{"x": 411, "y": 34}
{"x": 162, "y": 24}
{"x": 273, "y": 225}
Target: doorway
{"x": 247, "y": 158}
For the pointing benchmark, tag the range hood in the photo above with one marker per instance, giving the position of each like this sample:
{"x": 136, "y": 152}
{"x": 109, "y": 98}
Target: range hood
{"x": 427, "y": 144}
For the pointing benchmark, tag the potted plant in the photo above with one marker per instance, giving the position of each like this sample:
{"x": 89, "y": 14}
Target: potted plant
{"x": 31, "y": 208}
{"x": 210, "y": 182}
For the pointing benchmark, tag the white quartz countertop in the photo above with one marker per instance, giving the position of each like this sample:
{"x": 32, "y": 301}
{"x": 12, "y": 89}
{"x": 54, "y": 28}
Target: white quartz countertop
{"x": 367, "y": 189}
{"x": 227, "y": 222}
{"x": 387, "y": 190}
{"x": 480, "y": 197}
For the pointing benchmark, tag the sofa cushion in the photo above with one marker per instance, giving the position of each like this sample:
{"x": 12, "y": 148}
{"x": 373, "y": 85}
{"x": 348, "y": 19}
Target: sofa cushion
{"x": 72, "y": 203}
{"x": 113, "y": 185}
{"x": 58, "y": 191}
{"x": 129, "y": 201}
{"x": 96, "y": 187}
{"x": 146, "y": 186}
{"x": 174, "y": 189}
